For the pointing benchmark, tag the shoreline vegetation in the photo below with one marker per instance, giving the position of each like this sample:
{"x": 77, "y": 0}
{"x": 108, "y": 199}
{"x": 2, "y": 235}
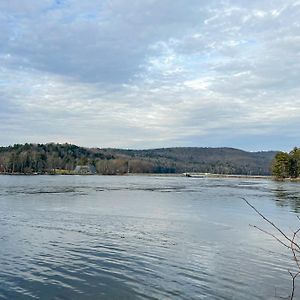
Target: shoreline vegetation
{"x": 286, "y": 166}
{"x": 63, "y": 159}
{"x": 67, "y": 159}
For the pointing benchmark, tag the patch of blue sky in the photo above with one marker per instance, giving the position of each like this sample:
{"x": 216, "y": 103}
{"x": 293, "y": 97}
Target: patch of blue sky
{"x": 250, "y": 42}
{"x": 197, "y": 63}
{"x": 60, "y": 2}
{"x": 4, "y": 82}
{"x": 56, "y": 5}
{"x": 217, "y": 138}
{"x": 90, "y": 17}
{"x": 248, "y": 45}
{"x": 69, "y": 16}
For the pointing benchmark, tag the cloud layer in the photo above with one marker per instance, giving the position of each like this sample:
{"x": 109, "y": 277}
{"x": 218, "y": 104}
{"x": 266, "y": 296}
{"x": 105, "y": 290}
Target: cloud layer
{"x": 151, "y": 73}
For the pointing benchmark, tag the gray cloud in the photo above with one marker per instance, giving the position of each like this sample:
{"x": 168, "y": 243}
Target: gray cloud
{"x": 95, "y": 41}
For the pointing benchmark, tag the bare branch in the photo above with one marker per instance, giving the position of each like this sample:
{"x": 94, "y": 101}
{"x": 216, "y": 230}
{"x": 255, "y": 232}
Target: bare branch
{"x": 272, "y": 235}
{"x": 271, "y": 223}
{"x": 294, "y": 245}
{"x": 294, "y": 276}
{"x": 293, "y": 249}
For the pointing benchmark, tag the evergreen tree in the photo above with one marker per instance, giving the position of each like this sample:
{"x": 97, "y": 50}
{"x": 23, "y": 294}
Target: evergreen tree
{"x": 287, "y": 164}
{"x": 295, "y": 163}
{"x": 281, "y": 165}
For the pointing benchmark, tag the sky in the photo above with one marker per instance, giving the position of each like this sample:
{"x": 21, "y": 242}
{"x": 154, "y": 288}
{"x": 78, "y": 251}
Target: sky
{"x": 152, "y": 73}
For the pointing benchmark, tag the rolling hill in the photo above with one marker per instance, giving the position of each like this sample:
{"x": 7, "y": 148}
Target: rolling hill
{"x": 47, "y": 158}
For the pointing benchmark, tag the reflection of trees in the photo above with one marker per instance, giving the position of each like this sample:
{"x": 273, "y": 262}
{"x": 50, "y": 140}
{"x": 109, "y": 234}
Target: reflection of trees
{"x": 284, "y": 197}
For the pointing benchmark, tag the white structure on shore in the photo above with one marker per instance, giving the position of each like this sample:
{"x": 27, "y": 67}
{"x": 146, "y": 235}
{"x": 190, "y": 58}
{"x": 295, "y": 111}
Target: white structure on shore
{"x": 85, "y": 170}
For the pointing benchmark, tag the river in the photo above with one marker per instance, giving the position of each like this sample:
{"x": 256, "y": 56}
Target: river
{"x": 143, "y": 237}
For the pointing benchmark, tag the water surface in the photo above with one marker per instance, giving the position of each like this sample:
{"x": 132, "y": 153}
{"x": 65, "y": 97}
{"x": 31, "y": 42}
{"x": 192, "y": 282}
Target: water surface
{"x": 143, "y": 237}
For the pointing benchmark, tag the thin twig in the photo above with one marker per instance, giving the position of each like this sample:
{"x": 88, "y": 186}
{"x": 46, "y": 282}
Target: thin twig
{"x": 294, "y": 276}
{"x": 272, "y": 235}
{"x": 271, "y": 223}
{"x": 293, "y": 249}
{"x": 294, "y": 245}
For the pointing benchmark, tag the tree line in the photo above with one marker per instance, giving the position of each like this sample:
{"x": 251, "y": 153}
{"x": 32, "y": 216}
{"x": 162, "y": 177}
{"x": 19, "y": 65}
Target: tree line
{"x": 45, "y": 158}
{"x": 63, "y": 158}
{"x": 55, "y": 158}
{"x": 287, "y": 165}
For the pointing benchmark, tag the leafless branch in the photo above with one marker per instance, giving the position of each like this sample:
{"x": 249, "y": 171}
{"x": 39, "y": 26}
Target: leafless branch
{"x": 288, "y": 242}
{"x": 272, "y": 235}
{"x": 294, "y": 276}
{"x": 272, "y": 224}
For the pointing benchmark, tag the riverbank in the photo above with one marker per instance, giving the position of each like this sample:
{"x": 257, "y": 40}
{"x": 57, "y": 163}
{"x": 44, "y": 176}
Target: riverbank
{"x": 188, "y": 175}
{"x": 288, "y": 179}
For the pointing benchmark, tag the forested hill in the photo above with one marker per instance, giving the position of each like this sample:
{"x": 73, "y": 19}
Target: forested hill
{"x": 51, "y": 158}
{"x": 207, "y": 160}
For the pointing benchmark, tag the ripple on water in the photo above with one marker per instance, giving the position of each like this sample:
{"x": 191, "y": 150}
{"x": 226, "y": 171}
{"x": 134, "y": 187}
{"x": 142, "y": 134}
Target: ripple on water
{"x": 98, "y": 238}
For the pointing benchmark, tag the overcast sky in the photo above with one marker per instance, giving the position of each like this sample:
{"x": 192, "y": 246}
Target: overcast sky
{"x": 151, "y": 73}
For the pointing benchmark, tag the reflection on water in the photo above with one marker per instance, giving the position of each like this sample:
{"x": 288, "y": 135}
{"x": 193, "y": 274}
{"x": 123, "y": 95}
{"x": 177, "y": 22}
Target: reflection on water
{"x": 288, "y": 194}
{"x": 138, "y": 237}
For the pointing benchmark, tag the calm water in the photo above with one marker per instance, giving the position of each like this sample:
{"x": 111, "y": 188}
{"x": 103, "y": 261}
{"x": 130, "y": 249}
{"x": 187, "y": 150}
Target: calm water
{"x": 138, "y": 237}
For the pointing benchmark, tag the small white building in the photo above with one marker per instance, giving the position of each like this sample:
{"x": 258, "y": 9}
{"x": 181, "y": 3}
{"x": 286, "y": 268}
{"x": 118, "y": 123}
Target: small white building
{"x": 85, "y": 170}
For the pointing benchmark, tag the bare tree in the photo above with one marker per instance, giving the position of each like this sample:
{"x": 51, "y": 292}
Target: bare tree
{"x": 290, "y": 242}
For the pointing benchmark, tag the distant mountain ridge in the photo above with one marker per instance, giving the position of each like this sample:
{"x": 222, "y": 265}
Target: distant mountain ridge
{"x": 221, "y": 160}
{"x": 49, "y": 158}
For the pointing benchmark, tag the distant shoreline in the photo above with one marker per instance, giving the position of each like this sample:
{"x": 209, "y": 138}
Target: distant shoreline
{"x": 196, "y": 175}
{"x": 187, "y": 175}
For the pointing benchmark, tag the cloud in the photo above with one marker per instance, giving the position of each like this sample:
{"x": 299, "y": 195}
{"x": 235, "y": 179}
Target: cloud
{"x": 150, "y": 73}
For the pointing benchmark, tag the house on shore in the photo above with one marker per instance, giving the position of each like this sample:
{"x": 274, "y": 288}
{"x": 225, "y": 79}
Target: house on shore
{"x": 85, "y": 170}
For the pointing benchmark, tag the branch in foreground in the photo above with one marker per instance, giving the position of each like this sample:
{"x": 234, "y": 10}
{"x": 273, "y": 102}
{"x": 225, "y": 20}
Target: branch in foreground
{"x": 273, "y": 225}
{"x": 294, "y": 246}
